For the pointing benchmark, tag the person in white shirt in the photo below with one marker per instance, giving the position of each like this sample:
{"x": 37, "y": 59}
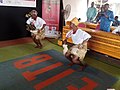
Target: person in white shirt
{"x": 77, "y": 52}
{"x": 117, "y": 31}
{"x": 37, "y": 29}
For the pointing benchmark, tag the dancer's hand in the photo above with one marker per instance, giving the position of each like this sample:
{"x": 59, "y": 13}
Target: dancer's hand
{"x": 65, "y": 41}
{"x": 106, "y": 15}
{"x": 80, "y": 46}
{"x": 39, "y": 31}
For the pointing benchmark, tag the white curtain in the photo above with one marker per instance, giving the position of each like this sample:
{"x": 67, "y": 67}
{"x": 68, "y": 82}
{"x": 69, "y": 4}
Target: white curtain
{"x": 78, "y": 9}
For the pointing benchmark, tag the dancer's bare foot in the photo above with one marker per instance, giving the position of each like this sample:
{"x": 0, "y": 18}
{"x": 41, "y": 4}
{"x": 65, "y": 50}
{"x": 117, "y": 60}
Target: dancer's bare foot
{"x": 36, "y": 46}
{"x": 83, "y": 67}
{"x": 40, "y": 47}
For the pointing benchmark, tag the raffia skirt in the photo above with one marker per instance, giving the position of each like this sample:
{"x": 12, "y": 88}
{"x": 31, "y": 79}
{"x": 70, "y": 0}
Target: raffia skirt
{"x": 80, "y": 52}
{"x": 40, "y": 35}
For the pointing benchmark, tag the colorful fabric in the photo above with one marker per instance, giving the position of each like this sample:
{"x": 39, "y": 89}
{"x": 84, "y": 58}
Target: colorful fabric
{"x": 80, "y": 52}
{"x": 49, "y": 70}
{"x": 40, "y": 35}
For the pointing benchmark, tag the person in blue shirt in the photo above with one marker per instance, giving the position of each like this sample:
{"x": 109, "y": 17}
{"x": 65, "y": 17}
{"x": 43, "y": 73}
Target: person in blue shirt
{"x": 106, "y": 18}
{"x": 116, "y": 22}
{"x": 91, "y": 13}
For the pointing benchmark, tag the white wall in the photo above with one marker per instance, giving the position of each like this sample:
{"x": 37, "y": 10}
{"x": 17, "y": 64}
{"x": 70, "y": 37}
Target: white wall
{"x": 78, "y": 8}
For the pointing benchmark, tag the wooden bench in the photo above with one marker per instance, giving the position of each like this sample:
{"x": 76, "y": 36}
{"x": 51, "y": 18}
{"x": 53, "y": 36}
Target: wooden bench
{"x": 93, "y": 26}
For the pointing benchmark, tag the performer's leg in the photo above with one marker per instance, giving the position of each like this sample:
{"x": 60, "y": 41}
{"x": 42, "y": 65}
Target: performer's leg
{"x": 83, "y": 64}
{"x": 39, "y": 38}
{"x": 76, "y": 60}
{"x": 39, "y": 43}
{"x": 35, "y": 41}
{"x": 68, "y": 56}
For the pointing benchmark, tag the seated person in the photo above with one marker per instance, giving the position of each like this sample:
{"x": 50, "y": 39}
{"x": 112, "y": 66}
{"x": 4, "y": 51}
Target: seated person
{"x": 36, "y": 27}
{"x": 116, "y": 31}
{"x": 77, "y": 52}
{"x": 116, "y": 22}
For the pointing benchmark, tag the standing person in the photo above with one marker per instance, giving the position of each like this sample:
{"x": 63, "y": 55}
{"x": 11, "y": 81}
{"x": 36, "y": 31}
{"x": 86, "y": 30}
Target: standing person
{"x": 77, "y": 52}
{"x": 37, "y": 31}
{"x": 101, "y": 11}
{"x": 106, "y": 18}
{"x": 91, "y": 13}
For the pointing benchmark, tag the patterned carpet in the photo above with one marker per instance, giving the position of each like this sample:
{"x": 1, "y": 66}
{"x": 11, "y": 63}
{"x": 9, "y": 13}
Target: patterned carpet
{"x": 49, "y": 70}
